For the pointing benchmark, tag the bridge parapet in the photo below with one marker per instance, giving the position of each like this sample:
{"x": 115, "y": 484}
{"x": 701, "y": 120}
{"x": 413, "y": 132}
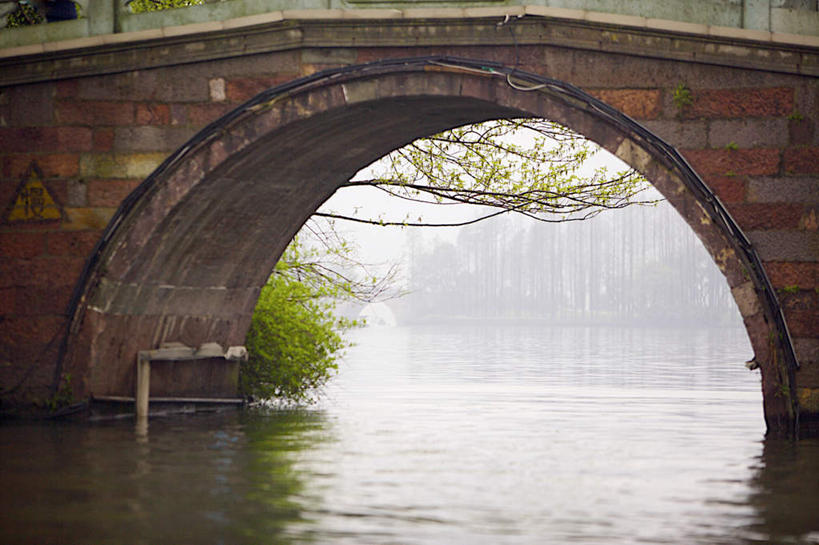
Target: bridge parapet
{"x": 780, "y": 20}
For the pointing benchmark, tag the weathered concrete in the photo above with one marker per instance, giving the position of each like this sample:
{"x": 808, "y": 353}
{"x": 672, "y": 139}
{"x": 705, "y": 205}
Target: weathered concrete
{"x": 247, "y": 186}
{"x": 718, "y": 17}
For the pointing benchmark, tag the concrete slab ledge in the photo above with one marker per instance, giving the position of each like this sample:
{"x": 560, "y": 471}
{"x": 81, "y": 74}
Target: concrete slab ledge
{"x": 214, "y": 400}
{"x": 273, "y": 17}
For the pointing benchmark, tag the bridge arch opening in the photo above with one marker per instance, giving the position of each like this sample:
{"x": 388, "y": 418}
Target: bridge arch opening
{"x": 186, "y": 254}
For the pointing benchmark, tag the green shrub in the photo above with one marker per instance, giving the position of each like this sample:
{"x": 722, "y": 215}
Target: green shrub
{"x": 141, "y": 6}
{"x": 294, "y": 338}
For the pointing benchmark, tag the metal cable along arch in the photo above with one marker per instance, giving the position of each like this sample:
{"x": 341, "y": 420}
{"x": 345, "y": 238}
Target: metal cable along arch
{"x": 519, "y": 80}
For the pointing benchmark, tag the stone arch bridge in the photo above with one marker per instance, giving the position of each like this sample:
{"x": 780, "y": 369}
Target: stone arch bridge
{"x": 151, "y": 178}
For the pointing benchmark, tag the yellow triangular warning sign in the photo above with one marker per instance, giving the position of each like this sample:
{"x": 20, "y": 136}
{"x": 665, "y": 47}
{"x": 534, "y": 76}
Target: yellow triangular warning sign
{"x": 33, "y": 202}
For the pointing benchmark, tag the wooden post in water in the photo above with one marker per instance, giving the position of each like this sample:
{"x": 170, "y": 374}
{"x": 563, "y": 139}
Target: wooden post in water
{"x": 143, "y": 383}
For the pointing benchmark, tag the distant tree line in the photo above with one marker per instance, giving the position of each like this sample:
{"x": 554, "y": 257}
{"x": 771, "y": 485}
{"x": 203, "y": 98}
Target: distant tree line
{"x": 641, "y": 266}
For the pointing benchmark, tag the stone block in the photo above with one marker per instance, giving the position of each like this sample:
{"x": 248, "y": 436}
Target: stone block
{"x": 8, "y": 300}
{"x": 326, "y": 55}
{"x": 785, "y": 274}
{"x": 555, "y": 12}
{"x": 676, "y": 26}
{"x": 801, "y": 132}
{"x": 182, "y": 83}
{"x": 30, "y": 330}
{"x": 729, "y": 189}
{"x": 199, "y": 115}
{"x": 807, "y": 352}
{"x": 726, "y": 162}
{"x": 76, "y": 244}
{"x": 751, "y": 216}
{"x": 808, "y": 400}
{"x": 28, "y": 105}
{"x": 81, "y": 219}
{"x": 66, "y": 88}
{"x": 802, "y": 323}
{"x": 22, "y": 245}
{"x": 802, "y": 160}
{"x": 179, "y": 114}
{"x": 75, "y": 193}
{"x": 807, "y": 376}
{"x": 216, "y": 88}
{"x": 94, "y": 113}
{"x": 360, "y": 91}
{"x": 150, "y": 138}
{"x": 786, "y": 245}
{"x": 43, "y": 271}
{"x": 746, "y": 299}
{"x": 119, "y": 165}
{"x": 801, "y": 299}
{"x": 125, "y": 86}
{"x": 53, "y": 165}
{"x": 636, "y": 103}
{"x": 759, "y": 331}
{"x": 634, "y": 155}
{"x": 252, "y": 20}
{"x": 242, "y": 89}
{"x": 689, "y": 134}
{"x": 736, "y": 103}
{"x": 37, "y": 301}
{"x": 784, "y": 189}
{"x": 616, "y": 19}
{"x": 109, "y": 193}
{"x": 52, "y": 139}
{"x": 152, "y": 114}
{"x": 749, "y": 133}
{"x": 103, "y": 139}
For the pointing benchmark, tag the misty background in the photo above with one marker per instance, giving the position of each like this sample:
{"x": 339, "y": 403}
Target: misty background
{"x": 641, "y": 265}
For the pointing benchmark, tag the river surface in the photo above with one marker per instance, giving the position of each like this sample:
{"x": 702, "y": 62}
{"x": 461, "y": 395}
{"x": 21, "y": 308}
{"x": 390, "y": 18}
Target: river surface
{"x": 443, "y": 435}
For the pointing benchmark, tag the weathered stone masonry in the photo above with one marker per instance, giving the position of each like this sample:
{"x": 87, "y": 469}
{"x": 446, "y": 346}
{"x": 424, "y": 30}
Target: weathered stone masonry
{"x": 749, "y": 132}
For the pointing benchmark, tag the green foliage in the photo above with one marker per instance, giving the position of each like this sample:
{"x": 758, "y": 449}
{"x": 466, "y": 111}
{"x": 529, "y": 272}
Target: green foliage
{"x": 64, "y": 396}
{"x": 791, "y": 289}
{"x": 796, "y": 116}
{"x": 533, "y": 167}
{"x": 142, "y": 6}
{"x": 681, "y": 96}
{"x": 26, "y": 15}
{"x": 294, "y": 338}
{"x": 732, "y": 146}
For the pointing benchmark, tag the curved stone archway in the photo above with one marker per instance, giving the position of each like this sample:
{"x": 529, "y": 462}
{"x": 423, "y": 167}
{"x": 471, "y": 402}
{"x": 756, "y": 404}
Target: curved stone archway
{"x": 185, "y": 256}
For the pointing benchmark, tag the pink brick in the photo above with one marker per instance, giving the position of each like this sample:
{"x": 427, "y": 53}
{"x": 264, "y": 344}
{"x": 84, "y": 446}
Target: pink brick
{"x": 72, "y": 243}
{"x": 95, "y": 113}
{"x": 802, "y": 160}
{"x": 636, "y": 103}
{"x": 22, "y": 245}
{"x": 723, "y": 162}
{"x": 727, "y": 103}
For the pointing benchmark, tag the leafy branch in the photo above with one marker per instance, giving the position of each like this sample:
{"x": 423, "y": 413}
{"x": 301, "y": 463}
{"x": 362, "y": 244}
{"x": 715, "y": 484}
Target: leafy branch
{"x": 532, "y": 167}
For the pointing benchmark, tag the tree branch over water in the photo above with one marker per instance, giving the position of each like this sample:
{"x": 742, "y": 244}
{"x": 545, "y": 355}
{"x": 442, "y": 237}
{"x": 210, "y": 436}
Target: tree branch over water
{"x": 532, "y": 167}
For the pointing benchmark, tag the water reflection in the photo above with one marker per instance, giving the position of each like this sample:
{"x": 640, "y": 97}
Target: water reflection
{"x": 204, "y": 479}
{"x": 785, "y": 493}
{"x": 433, "y": 436}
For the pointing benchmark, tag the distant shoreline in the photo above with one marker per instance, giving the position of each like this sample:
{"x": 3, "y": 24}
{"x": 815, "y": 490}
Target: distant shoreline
{"x": 650, "y": 323}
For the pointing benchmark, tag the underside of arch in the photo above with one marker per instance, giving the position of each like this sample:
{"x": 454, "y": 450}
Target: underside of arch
{"x": 185, "y": 256}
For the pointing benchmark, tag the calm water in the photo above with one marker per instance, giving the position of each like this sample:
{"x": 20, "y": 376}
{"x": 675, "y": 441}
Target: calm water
{"x": 464, "y": 435}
